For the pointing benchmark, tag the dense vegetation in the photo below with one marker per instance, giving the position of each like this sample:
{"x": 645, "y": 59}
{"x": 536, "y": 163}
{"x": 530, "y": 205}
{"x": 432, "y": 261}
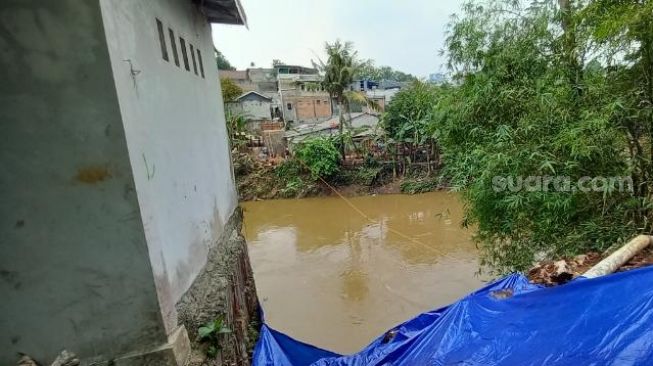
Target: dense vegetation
{"x": 230, "y": 90}
{"x": 338, "y": 73}
{"x": 221, "y": 61}
{"x": 370, "y": 71}
{"x": 558, "y": 89}
{"x": 549, "y": 91}
{"x": 320, "y": 156}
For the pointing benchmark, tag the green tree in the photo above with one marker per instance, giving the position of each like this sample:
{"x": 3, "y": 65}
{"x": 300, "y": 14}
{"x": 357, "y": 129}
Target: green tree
{"x": 320, "y": 155}
{"x": 623, "y": 33}
{"x": 408, "y": 120}
{"x": 533, "y": 98}
{"x": 230, "y": 90}
{"x": 368, "y": 70}
{"x": 338, "y": 74}
{"x": 236, "y": 127}
{"x": 410, "y": 109}
{"x": 221, "y": 61}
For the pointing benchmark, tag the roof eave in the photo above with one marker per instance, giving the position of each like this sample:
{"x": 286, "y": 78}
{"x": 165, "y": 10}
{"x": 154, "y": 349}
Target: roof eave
{"x": 254, "y": 92}
{"x": 223, "y": 11}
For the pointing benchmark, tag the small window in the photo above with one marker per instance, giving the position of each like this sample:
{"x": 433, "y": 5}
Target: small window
{"x": 173, "y": 43}
{"x": 192, "y": 55}
{"x": 199, "y": 59}
{"x": 318, "y": 102}
{"x": 162, "y": 40}
{"x": 184, "y": 53}
{"x": 289, "y": 106}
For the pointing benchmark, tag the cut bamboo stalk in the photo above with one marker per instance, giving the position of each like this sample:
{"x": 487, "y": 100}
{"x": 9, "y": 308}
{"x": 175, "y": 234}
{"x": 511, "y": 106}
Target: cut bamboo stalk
{"x": 619, "y": 257}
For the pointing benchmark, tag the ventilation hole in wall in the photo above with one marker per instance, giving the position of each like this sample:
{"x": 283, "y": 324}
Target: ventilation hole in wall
{"x": 184, "y": 53}
{"x": 162, "y": 40}
{"x": 192, "y": 55}
{"x": 199, "y": 59}
{"x": 173, "y": 43}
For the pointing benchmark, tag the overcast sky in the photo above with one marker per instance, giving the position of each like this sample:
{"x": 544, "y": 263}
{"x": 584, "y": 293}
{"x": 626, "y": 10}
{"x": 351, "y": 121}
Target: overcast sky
{"x": 405, "y": 35}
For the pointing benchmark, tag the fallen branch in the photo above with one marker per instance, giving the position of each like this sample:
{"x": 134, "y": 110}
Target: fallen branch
{"x": 619, "y": 257}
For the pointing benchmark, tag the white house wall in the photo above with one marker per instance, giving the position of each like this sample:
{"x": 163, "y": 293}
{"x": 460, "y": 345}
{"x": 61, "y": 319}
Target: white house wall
{"x": 256, "y": 110}
{"x": 176, "y": 135}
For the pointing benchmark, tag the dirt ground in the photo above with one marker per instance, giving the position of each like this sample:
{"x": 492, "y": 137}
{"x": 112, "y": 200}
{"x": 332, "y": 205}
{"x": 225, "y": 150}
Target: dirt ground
{"x": 553, "y": 273}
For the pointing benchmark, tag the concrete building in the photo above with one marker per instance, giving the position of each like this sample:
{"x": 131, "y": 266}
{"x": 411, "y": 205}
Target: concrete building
{"x": 239, "y": 77}
{"x": 255, "y": 107}
{"x": 360, "y": 121}
{"x": 364, "y": 85}
{"x": 292, "y": 90}
{"x": 265, "y": 80}
{"x": 437, "y": 78}
{"x": 118, "y": 210}
{"x": 382, "y": 96}
{"x": 306, "y": 107}
{"x": 261, "y": 80}
{"x": 302, "y": 100}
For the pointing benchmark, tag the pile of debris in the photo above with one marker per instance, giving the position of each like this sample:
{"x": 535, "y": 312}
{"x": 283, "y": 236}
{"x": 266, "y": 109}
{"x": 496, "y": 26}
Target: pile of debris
{"x": 553, "y": 273}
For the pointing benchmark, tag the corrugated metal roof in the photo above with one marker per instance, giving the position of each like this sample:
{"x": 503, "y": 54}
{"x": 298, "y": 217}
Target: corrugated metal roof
{"x": 222, "y": 11}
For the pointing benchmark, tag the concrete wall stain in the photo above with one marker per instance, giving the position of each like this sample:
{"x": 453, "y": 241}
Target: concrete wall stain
{"x": 92, "y": 174}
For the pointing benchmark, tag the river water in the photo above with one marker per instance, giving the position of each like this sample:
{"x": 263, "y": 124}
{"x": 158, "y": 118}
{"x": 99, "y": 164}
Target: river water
{"x": 329, "y": 276}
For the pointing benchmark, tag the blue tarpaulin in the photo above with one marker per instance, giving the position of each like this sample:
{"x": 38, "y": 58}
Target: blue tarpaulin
{"x": 602, "y": 321}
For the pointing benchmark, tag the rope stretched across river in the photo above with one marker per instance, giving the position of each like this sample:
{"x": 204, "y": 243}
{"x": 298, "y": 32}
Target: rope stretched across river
{"x": 368, "y": 218}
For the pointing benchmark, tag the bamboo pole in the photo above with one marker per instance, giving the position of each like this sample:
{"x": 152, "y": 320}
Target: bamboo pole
{"x": 619, "y": 257}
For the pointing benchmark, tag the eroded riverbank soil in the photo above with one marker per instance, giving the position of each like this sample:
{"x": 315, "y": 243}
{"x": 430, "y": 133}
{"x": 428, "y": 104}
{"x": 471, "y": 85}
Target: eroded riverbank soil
{"x": 258, "y": 180}
{"x": 553, "y": 273}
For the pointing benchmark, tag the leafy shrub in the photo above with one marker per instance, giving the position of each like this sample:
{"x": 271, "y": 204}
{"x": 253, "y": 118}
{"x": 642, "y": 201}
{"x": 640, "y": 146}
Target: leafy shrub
{"x": 320, "y": 155}
{"x": 419, "y": 185}
{"x": 230, "y": 90}
{"x": 243, "y": 164}
{"x": 211, "y": 333}
{"x": 407, "y": 116}
{"x": 289, "y": 169}
{"x": 293, "y": 188}
{"x": 523, "y": 106}
{"x": 368, "y": 175}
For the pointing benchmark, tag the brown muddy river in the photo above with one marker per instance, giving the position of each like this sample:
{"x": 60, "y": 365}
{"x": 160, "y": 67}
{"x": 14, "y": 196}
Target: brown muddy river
{"x": 332, "y": 278}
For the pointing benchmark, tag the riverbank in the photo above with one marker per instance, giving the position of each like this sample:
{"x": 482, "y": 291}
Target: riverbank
{"x": 559, "y": 272}
{"x": 288, "y": 179}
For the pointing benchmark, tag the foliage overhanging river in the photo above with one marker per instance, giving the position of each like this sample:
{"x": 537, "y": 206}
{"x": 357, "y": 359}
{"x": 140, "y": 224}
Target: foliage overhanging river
{"x": 332, "y": 278}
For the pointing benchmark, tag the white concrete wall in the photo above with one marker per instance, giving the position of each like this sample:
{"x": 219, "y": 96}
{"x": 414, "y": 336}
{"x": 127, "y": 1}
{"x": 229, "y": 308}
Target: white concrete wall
{"x": 176, "y": 135}
{"x": 74, "y": 265}
{"x": 256, "y": 110}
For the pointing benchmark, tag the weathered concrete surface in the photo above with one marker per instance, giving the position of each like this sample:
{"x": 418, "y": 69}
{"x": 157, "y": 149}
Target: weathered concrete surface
{"x": 253, "y": 107}
{"x": 176, "y": 352}
{"x": 115, "y": 178}
{"x": 74, "y": 266}
{"x": 176, "y": 135}
{"x": 225, "y": 288}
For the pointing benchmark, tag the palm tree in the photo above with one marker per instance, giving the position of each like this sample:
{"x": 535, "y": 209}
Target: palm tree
{"x": 339, "y": 71}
